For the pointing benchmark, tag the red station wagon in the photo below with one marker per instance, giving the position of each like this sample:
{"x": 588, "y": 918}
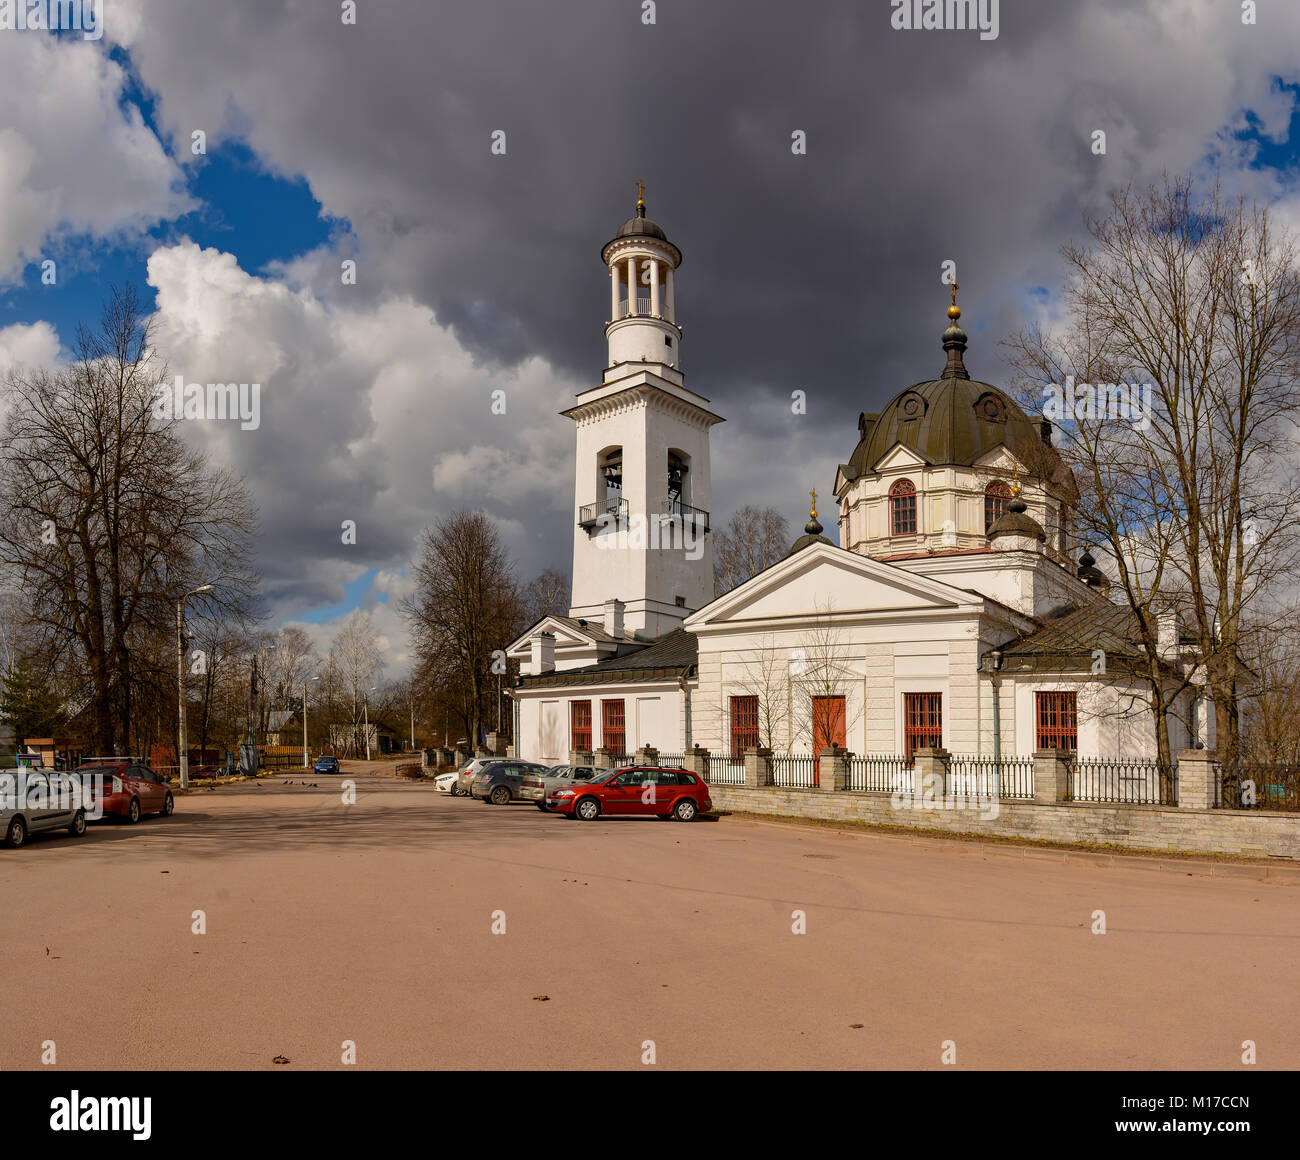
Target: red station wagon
{"x": 129, "y": 789}
{"x": 642, "y": 789}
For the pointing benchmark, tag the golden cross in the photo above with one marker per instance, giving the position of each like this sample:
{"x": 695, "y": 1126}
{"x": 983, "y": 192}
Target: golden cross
{"x": 813, "y": 493}
{"x": 954, "y": 293}
{"x": 640, "y": 193}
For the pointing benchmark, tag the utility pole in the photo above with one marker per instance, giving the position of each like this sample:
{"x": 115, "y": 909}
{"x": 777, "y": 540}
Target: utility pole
{"x": 306, "y": 755}
{"x": 182, "y": 741}
{"x": 365, "y": 708}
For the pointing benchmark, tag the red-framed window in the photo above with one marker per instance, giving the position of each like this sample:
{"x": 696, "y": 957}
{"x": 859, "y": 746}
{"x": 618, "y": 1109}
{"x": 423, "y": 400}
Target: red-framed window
{"x": 922, "y": 721}
{"x": 1057, "y": 715}
{"x": 902, "y": 508}
{"x": 744, "y": 725}
{"x": 996, "y": 497}
{"x": 580, "y": 725}
{"x": 613, "y": 728}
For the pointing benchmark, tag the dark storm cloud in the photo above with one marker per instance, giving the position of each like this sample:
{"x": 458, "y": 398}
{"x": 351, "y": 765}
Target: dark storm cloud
{"x": 818, "y": 272}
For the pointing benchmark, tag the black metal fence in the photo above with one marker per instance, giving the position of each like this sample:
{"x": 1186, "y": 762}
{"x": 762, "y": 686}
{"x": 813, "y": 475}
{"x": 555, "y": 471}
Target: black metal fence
{"x": 1123, "y": 781}
{"x": 1257, "y": 785}
{"x": 1007, "y": 777}
{"x": 881, "y": 773}
{"x": 794, "y": 769}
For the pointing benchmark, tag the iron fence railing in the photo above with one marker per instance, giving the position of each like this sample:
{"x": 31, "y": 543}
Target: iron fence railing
{"x": 798, "y": 770}
{"x": 1006, "y": 777}
{"x": 670, "y": 760}
{"x": 1257, "y": 785}
{"x": 881, "y": 773}
{"x": 1123, "y": 781}
{"x": 724, "y": 770}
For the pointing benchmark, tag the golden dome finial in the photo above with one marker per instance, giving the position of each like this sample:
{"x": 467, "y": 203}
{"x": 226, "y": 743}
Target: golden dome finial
{"x": 812, "y": 512}
{"x": 640, "y": 195}
{"x": 1015, "y": 480}
{"x": 954, "y": 311}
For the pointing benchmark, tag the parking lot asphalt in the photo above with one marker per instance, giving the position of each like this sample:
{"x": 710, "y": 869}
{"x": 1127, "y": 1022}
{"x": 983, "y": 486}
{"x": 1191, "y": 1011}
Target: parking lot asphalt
{"x": 433, "y": 932}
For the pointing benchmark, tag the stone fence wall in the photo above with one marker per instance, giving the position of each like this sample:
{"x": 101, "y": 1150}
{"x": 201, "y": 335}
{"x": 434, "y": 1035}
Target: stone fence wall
{"x": 1192, "y": 826}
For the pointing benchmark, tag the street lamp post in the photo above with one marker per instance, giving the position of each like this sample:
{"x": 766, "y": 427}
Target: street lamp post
{"x": 365, "y": 709}
{"x": 183, "y": 756}
{"x": 306, "y": 756}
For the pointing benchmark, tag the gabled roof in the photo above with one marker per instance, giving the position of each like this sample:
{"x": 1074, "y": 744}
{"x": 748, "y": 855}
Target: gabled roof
{"x": 575, "y": 628}
{"x": 1068, "y": 642}
{"x": 671, "y": 657}
{"x": 794, "y": 586}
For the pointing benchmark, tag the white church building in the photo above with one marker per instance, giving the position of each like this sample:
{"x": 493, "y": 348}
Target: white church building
{"x": 954, "y": 612}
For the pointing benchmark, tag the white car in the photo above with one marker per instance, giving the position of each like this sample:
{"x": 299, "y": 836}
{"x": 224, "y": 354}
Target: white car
{"x": 446, "y": 782}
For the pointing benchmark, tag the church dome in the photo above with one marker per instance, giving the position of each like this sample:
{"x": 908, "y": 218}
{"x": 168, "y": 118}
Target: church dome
{"x": 812, "y": 534}
{"x": 1016, "y": 521}
{"x": 954, "y": 420}
{"x": 641, "y": 227}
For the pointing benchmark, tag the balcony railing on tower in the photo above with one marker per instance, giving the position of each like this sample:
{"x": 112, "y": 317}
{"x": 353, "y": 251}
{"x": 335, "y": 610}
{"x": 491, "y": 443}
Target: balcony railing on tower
{"x": 589, "y": 514}
{"x": 640, "y": 306}
{"x": 695, "y": 518}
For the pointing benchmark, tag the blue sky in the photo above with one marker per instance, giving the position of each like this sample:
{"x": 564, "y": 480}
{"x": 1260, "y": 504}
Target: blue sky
{"x": 242, "y": 209}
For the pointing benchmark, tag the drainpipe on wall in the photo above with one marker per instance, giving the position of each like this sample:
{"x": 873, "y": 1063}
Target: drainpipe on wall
{"x": 996, "y": 657}
{"x": 686, "y": 713}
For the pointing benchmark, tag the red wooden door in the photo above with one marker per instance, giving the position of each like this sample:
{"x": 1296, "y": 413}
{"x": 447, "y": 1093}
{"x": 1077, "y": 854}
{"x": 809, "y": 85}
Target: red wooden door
{"x": 828, "y": 729}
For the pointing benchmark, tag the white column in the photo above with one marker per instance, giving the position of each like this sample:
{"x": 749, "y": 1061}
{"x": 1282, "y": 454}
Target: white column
{"x": 613, "y": 292}
{"x": 654, "y": 287}
{"x": 672, "y": 303}
{"x": 631, "y": 285}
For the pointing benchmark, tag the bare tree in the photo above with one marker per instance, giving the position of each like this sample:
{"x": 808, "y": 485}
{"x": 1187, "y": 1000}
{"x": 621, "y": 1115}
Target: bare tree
{"x": 465, "y": 609}
{"x": 764, "y": 674}
{"x": 1194, "y": 496}
{"x": 547, "y": 594}
{"x": 754, "y": 539}
{"x": 1271, "y": 717}
{"x": 107, "y": 516}
{"x": 355, "y": 655}
{"x": 822, "y": 678}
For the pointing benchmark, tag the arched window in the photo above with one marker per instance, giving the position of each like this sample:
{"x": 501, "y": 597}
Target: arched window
{"x": 996, "y": 496}
{"x": 902, "y": 508}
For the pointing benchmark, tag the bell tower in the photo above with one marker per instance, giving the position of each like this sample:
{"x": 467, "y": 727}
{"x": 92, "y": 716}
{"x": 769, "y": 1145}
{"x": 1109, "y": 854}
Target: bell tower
{"x": 642, "y": 498}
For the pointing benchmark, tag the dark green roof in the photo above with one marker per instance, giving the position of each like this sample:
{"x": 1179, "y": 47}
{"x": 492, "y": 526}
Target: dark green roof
{"x": 673, "y": 656}
{"x": 950, "y": 421}
{"x": 1068, "y": 641}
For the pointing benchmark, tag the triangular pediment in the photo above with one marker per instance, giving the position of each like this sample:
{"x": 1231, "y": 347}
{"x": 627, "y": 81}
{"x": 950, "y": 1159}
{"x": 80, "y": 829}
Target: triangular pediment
{"x": 1000, "y": 459}
{"x": 824, "y": 577}
{"x": 899, "y": 456}
{"x": 568, "y": 635}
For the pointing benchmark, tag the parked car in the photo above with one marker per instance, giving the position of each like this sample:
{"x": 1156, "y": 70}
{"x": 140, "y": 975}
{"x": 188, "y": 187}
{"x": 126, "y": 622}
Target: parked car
{"x": 502, "y": 782}
{"x": 537, "y": 787}
{"x": 446, "y": 782}
{"x": 469, "y": 771}
{"x": 34, "y": 801}
{"x": 326, "y": 763}
{"x": 677, "y": 793}
{"x": 125, "y": 788}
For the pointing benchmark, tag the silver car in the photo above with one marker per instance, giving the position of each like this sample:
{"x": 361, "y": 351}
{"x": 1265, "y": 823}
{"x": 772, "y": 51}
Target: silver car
{"x": 33, "y": 801}
{"x": 466, "y": 775}
{"x": 501, "y": 782}
{"x": 538, "y": 787}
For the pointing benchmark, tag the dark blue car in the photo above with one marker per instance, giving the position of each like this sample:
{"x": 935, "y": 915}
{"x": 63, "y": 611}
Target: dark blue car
{"x": 326, "y": 764}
